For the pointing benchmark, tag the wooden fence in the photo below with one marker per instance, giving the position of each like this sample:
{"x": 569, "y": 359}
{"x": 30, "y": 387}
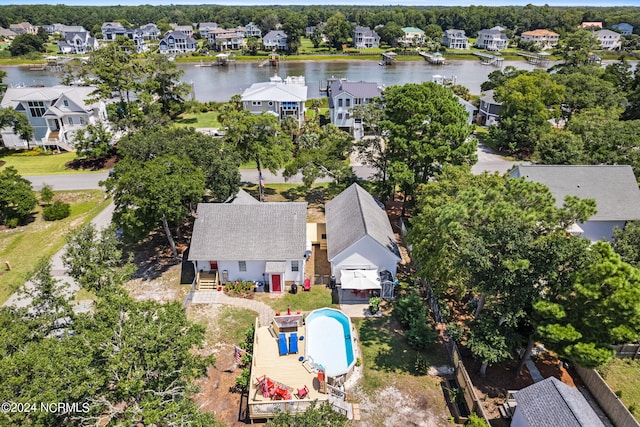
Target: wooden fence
{"x": 627, "y": 351}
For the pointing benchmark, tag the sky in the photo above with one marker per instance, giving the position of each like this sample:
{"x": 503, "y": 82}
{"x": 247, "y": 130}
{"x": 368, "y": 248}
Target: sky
{"x": 599, "y": 3}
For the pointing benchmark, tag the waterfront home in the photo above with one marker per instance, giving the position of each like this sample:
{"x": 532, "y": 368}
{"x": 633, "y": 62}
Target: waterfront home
{"x": 176, "y": 42}
{"x": 63, "y": 29}
{"x": 609, "y": 40}
{"x": 412, "y": 36}
{"x": 5, "y": 33}
{"x": 252, "y": 30}
{"x": 275, "y": 40}
{"x": 150, "y": 31}
{"x": 455, "y": 39}
{"x": 551, "y": 402}
{"x": 543, "y": 39}
{"x": 359, "y": 235}
{"x": 226, "y": 39}
{"x": 24, "y": 28}
{"x": 110, "y": 30}
{"x": 489, "y": 111}
{"x": 623, "y": 28}
{"x": 186, "y": 29}
{"x": 344, "y": 95}
{"x": 493, "y": 39}
{"x": 281, "y": 98}
{"x": 257, "y": 242}
{"x": 586, "y": 25}
{"x": 77, "y": 43}
{"x": 320, "y": 27}
{"x": 613, "y": 187}
{"x": 56, "y": 114}
{"x": 365, "y": 37}
{"x": 204, "y": 28}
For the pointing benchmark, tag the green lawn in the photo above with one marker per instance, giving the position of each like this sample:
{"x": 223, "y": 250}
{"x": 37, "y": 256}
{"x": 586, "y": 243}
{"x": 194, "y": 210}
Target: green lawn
{"x": 199, "y": 120}
{"x": 53, "y": 164}
{"x": 386, "y": 356}
{"x": 23, "y": 246}
{"x": 318, "y": 297}
{"x": 623, "y": 376}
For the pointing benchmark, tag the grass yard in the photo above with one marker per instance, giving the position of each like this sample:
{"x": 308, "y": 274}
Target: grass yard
{"x": 386, "y": 356}
{"x": 54, "y": 164}
{"x": 199, "y": 120}
{"x": 318, "y": 297}
{"x": 23, "y": 246}
{"x": 623, "y": 376}
{"x": 224, "y": 324}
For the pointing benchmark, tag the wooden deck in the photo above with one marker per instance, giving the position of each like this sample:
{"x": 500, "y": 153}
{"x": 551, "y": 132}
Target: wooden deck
{"x": 207, "y": 280}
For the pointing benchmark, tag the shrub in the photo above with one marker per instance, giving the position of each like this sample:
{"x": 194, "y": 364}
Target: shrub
{"x": 46, "y": 194}
{"x": 410, "y": 307}
{"x": 475, "y": 421}
{"x": 56, "y": 211}
{"x": 12, "y": 222}
{"x": 421, "y": 365}
{"x": 242, "y": 289}
{"x": 420, "y": 335}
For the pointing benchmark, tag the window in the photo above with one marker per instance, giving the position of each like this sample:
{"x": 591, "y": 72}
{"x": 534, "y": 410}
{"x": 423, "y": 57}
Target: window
{"x": 340, "y": 102}
{"x": 348, "y": 101}
{"x": 324, "y": 237}
{"x": 294, "y": 266}
{"x": 82, "y": 121}
{"x": 346, "y": 116}
{"x": 256, "y": 103}
{"x": 65, "y": 102}
{"x": 36, "y": 108}
{"x": 242, "y": 265}
{"x": 70, "y": 120}
{"x": 339, "y": 116}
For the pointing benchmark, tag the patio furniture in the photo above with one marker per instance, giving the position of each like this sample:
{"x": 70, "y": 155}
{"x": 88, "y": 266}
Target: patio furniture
{"x": 302, "y": 392}
{"x": 293, "y": 343}
{"x": 307, "y": 284}
{"x": 282, "y": 344}
{"x": 282, "y": 393}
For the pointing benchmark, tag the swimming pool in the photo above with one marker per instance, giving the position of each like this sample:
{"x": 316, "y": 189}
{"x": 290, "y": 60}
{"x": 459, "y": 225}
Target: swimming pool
{"x": 329, "y": 342}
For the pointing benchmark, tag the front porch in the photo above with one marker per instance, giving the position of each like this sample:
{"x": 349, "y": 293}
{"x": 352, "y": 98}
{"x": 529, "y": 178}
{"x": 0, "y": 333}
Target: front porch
{"x": 207, "y": 280}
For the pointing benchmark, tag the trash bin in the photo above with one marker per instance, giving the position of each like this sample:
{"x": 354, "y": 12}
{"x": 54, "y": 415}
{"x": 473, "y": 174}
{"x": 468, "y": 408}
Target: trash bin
{"x": 332, "y": 282}
{"x": 266, "y": 286}
{"x": 294, "y": 289}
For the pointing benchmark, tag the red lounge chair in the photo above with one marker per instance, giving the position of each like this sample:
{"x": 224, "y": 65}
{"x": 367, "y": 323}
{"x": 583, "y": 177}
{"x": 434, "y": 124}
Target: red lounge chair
{"x": 307, "y": 284}
{"x": 302, "y": 392}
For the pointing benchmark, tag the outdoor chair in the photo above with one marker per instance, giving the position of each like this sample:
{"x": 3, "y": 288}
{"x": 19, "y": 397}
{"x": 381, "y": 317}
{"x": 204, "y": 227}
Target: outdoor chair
{"x": 293, "y": 343}
{"x": 282, "y": 344}
{"x": 302, "y": 392}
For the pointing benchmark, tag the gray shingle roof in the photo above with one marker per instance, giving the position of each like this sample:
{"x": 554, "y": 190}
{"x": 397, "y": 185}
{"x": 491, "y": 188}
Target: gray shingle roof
{"x": 613, "y": 187}
{"x": 365, "y": 90}
{"x": 265, "y": 231}
{"x": 353, "y": 214}
{"x": 551, "y": 403}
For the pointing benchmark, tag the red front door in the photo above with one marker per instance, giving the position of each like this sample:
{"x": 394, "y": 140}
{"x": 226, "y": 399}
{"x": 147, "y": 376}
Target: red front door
{"x": 275, "y": 283}
{"x": 213, "y": 265}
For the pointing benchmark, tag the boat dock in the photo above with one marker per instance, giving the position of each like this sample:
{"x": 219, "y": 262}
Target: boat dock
{"x": 536, "y": 58}
{"x": 388, "y": 58}
{"x": 435, "y": 58}
{"x": 488, "y": 59}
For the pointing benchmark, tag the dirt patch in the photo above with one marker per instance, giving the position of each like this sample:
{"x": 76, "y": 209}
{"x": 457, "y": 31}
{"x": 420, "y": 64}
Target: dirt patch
{"x": 165, "y": 288}
{"x": 93, "y": 164}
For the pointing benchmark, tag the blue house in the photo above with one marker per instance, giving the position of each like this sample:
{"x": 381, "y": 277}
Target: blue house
{"x": 623, "y": 28}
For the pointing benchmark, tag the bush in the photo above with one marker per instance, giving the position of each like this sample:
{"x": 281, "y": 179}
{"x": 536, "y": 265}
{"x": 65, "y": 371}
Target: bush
{"x": 242, "y": 289}
{"x": 421, "y": 365}
{"x": 476, "y": 421}
{"x": 12, "y": 222}
{"x": 410, "y": 307}
{"x": 420, "y": 335}
{"x": 56, "y": 211}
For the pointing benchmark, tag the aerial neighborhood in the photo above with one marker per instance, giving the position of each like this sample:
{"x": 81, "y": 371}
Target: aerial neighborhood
{"x": 336, "y": 216}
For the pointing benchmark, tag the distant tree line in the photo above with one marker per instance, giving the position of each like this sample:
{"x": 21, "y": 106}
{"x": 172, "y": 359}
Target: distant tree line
{"x": 471, "y": 19}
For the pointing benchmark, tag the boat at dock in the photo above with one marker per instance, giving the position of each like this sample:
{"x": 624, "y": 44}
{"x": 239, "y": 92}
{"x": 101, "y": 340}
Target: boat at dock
{"x": 434, "y": 58}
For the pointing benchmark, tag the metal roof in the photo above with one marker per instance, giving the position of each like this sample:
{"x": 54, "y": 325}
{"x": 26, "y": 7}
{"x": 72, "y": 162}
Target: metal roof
{"x": 365, "y": 90}
{"x": 273, "y": 91}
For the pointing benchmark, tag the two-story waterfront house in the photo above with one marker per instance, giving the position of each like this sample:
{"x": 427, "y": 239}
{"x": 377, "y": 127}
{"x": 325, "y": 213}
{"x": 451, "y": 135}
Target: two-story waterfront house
{"x": 344, "y": 96}
{"x": 624, "y": 28}
{"x": 56, "y": 114}
{"x": 489, "y": 111}
{"x": 609, "y": 40}
{"x": 176, "y": 42}
{"x": 252, "y": 30}
{"x": 226, "y": 39}
{"x": 493, "y": 39}
{"x": 365, "y": 37}
{"x": 455, "y": 39}
{"x": 275, "y": 40}
{"x": 150, "y": 31}
{"x": 412, "y": 36}
{"x": 282, "y": 98}
{"x": 77, "y": 43}
{"x": 543, "y": 39}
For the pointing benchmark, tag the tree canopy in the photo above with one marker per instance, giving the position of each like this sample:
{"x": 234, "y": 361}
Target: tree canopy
{"x": 17, "y": 199}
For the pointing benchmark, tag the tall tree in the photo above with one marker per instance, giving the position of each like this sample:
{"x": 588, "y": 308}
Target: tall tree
{"x": 17, "y": 199}
{"x": 162, "y": 191}
{"x": 24, "y": 44}
{"x": 162, "y": 81}
{"x": 626, "y": 243}
{"x": 427, "y": 128}
{"x": 18, "y": 122}
{"x": 337, "y": 30}
{"x": 94, "y": 142}
{"x": 576, "y": 48}
{"x": 390, "y": 33}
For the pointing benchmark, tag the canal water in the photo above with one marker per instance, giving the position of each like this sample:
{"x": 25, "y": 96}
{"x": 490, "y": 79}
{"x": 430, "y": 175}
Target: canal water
{"x": 220, "y": 83}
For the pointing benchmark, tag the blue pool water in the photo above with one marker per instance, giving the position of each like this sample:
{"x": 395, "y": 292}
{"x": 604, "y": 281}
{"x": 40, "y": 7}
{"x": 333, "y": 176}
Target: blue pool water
{"x": 328, "y": 341}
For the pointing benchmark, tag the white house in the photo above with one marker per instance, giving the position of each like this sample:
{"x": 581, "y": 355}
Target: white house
{"x": 252, "y": 30}
{"x": 365, "y": 37}
{"x": 544, "y": 39}
{"x": 226, "y": 39}
{"x": 282, "y": 98}
{"x": 56, "y": 114}
{"x": 78, "y": 43}
{"x": 150, "y": 31}
{"x": 261, "y": 242}
{"x": 344, "y": 95}
{"x": 204, "y": 28}
{"x": 359, "y": 234}
{"x": 275, "y": 39}
{"x": 412, "y": 36}
{"x": 493, "y": 39}
{"x": 186, "y": 29}
{"x": 609, "y": 40}
{"x": 613, "y": 187}
{"x": 110, "y": 30}
{"x": 489, "y": 111}
{"x": 552, "y": 403}
{"x": 455, "y": 39}
{"x": 176, "y": 42}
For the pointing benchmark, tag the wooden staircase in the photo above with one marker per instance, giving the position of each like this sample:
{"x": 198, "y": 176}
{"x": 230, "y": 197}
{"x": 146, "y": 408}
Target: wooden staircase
{"x": 207, "y": 280}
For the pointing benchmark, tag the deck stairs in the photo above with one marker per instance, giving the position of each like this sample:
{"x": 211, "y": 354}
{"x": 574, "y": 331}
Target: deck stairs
{"x": 207, "y": 281}
{"x": 508, "y": 408}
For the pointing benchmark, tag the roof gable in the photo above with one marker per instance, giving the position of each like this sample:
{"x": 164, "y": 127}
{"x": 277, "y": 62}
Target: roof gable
{"x": 614, "y": 188}
{"x": 246, "y": 232}
{"x": 354, "y": 214}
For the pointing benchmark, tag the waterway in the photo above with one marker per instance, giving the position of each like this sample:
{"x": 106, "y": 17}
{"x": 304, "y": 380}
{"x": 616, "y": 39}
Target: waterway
{"x": 220, "y": 83}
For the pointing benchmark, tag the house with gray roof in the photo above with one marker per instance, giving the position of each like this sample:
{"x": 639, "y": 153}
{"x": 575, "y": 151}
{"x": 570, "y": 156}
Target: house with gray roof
{"x": 344, "y": 95}
{"x": 276, "y": 40}
{"x": 283, "y": 98}
{"x": 261, "y": 242}
{"x": 552, "y": 403}
{"x": 455, "y": 39}
{"x": 150, "y": 31}
{"x": 252, "y": 30}
{"x": 493, "y": 39}
{"x": 359, "y": 234}
{"x": 609, "y": 40}
{"x": 176, "y": 42}
{"x": 77, "y": 43}
{"x": 365, "y": 37}
{"x": 489, "y": 111}
{"x": 624, "y": 28}
{"x": 613, "y": 187}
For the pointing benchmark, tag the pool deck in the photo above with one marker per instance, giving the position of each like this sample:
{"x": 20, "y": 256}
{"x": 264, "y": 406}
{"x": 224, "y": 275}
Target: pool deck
{"x": 287, "y": 370}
